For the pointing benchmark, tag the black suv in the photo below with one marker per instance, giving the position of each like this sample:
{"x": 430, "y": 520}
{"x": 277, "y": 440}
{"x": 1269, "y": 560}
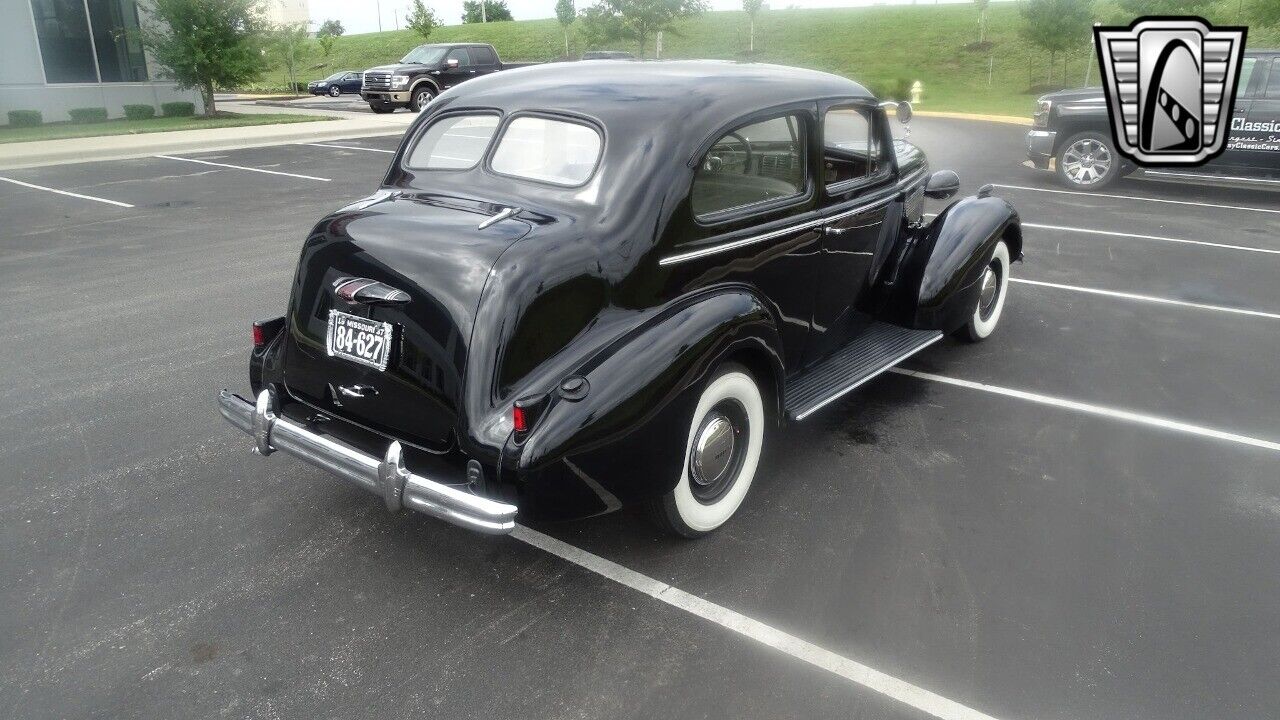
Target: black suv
{"x": 427, "y": 71}
{"x": 1072, "y": 133}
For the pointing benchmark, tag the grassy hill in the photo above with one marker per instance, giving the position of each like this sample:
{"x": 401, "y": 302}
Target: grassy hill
{"x": 878, "y": 46}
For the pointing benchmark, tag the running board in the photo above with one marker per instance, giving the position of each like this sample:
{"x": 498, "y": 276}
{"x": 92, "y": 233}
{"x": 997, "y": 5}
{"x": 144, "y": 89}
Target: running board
{"x": 878, "y": 348}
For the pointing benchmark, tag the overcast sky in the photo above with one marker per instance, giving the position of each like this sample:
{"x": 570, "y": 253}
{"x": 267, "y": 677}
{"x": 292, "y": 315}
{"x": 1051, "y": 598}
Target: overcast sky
{"x": 360, "y": 16}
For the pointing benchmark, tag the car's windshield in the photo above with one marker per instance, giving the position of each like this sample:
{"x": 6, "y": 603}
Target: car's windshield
{"x": 424, "y": 55}
{"x": 336, "y": 76}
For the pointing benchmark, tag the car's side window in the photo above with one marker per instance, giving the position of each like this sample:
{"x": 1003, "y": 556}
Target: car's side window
{"x": 1273, "y": 82}
{"x": 483, "y": 56}
{"x": 1246, "y": 72}
{"x": 851, "y": 147}
{"x": 461, "y": 55}
{"x": 455, "y": 142}
{"x": 754, "y": 164}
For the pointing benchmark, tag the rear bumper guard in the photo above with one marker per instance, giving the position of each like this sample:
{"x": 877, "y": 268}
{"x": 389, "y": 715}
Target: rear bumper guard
{"x": 385, "y": 476}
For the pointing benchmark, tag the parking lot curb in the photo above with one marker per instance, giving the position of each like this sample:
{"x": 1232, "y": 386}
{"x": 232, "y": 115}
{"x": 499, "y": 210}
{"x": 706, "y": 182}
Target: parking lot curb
{"x": 1008, "y": 119}
{"x": 42, "y": 153}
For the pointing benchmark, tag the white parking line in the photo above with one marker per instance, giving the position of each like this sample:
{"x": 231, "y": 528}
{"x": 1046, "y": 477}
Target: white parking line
{"x": 1135, "y": 197}
{"x": 241, "y": 167}
{"x": 1147, "y": 298}
{"x": 852, "y": 670}
{"x": 1109, "y": 233}
{"x": 349, "y": 147}
{"x": 1203, "y": 176}
{"x": 117, "y": 203}
{"x": 1099, "y": 410}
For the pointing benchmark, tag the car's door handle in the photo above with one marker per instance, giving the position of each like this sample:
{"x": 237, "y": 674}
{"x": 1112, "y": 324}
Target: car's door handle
{"x": 834, "y": 231}
{"x": 357, "y": 391}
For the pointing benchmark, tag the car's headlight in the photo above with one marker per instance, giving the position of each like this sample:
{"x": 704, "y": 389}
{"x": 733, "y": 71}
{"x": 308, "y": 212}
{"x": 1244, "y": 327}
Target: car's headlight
{"x": 1041, "y": 118}
{"x": 399, "y": 80}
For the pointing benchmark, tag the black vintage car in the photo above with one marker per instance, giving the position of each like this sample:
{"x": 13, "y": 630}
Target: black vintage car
{"x": 1072, "y": 134}
{"x": 576, "y": 291}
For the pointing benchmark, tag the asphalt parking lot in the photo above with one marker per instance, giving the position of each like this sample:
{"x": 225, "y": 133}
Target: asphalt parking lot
{"x": 1079, "y": 518}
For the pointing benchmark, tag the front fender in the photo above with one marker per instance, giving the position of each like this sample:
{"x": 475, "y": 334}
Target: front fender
{"x": 628, "y": 434}
{"x": 939, "y": 280}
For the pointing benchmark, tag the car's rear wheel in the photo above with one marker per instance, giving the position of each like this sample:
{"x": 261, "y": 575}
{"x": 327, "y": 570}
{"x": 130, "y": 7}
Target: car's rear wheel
{"x": 334, "y": 91}
{"x": 382, "y": 109}
{"x": 991, "y": 294}
{"x": 422, "y": 95}
{"x": 1088, "y": 161}
{"x": 726, "y": 436}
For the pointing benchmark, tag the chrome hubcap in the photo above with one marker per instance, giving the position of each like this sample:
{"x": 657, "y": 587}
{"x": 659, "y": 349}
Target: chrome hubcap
{"x": 990, "y": 291}
{"x": 1086, "y": 162}
{"x": 713, "y": 451}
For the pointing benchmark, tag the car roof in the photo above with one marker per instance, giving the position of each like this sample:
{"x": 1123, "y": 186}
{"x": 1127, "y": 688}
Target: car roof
{"x": 704, "y": 93}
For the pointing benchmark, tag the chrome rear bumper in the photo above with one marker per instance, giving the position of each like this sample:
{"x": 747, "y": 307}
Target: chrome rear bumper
{"x": 384, "y": 476}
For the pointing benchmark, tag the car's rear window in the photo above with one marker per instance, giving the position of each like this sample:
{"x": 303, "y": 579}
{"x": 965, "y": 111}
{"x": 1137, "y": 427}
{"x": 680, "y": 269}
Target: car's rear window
{"x": 456, "y": 142}
{"x": 547, "y": 150}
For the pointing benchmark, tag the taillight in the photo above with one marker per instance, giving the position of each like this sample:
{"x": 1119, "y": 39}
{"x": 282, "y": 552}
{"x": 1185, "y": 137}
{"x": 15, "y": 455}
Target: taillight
{"x": 264, "y": 330}
{"x": 525, "y": 413}
{"x": 518, "y": 421}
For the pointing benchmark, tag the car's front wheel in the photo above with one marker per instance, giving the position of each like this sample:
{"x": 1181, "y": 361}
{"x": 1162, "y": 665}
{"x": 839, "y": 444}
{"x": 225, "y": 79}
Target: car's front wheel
{"x": 726, "y": 436}
{"x": 422, "y": 95}
{"x": 334, "y": 91}
{"x": 1088, "y": 161}
{"x": 994, "y": 286}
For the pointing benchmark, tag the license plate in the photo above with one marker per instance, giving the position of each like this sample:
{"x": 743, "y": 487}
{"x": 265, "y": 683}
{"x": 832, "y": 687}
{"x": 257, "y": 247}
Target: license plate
{"x": 359, "y": 340}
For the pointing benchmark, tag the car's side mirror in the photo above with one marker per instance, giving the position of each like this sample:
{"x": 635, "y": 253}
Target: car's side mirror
{"x": 942, "y": 184}
{"x": 904, "y": 112}
{"x": 451, "y": 62}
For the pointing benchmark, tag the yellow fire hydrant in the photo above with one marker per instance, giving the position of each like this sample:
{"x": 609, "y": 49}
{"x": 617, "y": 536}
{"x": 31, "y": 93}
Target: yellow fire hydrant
{"x": 917, "y": 89}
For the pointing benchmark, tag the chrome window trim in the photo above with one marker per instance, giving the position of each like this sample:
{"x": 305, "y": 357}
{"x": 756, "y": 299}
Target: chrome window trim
{"x": 763, "y": 237}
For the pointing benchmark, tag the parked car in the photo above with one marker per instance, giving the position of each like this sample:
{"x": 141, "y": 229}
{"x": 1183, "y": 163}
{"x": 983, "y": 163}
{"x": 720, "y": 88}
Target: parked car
{"x": 1072, "y": 131}
{"x": 427, "y": 71}
{"x": 592, "y": 289}
{"x": 343, "y": 81}
{"x": 607, "y": 55}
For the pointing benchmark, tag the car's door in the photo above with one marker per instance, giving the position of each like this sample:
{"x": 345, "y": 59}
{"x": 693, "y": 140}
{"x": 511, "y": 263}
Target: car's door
{"x": 1252, "y": 72}
{"x": 457, "y": 68}
{"x": 1257, "y": 144}
{"x": 857, "y": 196}
{"x": 351, "y": 82}
{"x": 751, "y": 207}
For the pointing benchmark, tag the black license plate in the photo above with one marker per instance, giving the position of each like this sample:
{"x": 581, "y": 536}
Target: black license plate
{"x": 363, "y": 341}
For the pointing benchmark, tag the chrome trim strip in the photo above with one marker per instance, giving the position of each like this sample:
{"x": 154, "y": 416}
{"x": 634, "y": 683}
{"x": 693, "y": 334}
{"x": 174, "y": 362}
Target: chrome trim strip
{"x": 841, "y": 393}
{"x": 753, "y": 239}
{"x": 386, "y": 476}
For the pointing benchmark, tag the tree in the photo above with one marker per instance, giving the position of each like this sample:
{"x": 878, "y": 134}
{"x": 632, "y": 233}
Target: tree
{"x": 1056, "y": 25}
{"x": 328, "y": 33}
{"x": 982, "y": 18}
{"x": 205, "y": 44}
{"x": 566, "y": 14}
{"x": 752, "y": 8}
{"x": 610, "y": 20}
{"x": 490, "y": 11}
{"x": 422, "y": 19}
{"x": 288, "y": 42}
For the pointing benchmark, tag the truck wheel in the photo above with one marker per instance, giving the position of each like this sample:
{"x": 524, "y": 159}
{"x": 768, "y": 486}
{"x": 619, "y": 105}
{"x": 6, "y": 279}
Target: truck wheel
{"x": 991, "y": 295}
{"x": 382, "y": 109}
{"x": 421, "y": 96}
{"x": 726, "y": 435}
{"x": 1088, "y": 161}
{"x": 334, "y": 91}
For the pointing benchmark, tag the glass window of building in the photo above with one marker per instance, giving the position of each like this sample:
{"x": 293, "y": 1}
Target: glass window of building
{"x": 65, "y": 48}
{"x": 115, "y": 35}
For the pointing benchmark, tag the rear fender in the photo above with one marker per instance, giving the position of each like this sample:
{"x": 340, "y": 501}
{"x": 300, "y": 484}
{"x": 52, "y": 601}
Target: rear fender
{"x": 627, "y": 436}
{"x": 938, "y": 276}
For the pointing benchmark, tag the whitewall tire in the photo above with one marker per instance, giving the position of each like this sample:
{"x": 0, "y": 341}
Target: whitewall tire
{"x": 722, "y": 452}
{"x": 991, "y": 296}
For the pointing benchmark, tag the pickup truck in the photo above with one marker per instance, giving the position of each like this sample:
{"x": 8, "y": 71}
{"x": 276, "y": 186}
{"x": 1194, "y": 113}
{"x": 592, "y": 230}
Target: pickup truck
{"x": 1071, "y": 131}
{"x": 425, "y": 72}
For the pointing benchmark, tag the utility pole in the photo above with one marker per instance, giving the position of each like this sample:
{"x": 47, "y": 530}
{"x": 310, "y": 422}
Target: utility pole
{"x": 378, "y": 6}
{"x": 484, "y": 16}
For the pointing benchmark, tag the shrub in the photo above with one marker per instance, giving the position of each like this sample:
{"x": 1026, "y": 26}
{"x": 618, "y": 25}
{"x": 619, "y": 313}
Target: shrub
{"x": 82, "y": 116}
{"x": 139, "y": 112}
{"x": 178, "y": 109}
{"x": 25, "y": 118}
